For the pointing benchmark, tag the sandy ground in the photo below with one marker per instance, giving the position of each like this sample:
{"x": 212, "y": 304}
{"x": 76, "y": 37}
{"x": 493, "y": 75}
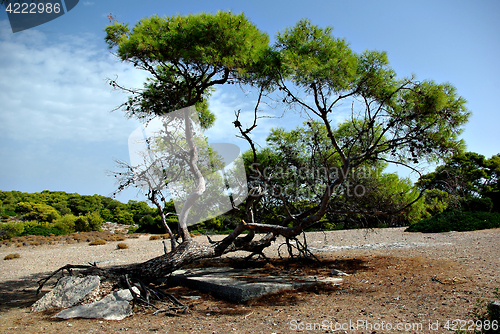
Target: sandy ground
{"x": 399, "y": 283}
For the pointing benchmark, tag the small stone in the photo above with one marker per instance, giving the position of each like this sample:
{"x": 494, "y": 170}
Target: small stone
{"x": 336, "y": 272}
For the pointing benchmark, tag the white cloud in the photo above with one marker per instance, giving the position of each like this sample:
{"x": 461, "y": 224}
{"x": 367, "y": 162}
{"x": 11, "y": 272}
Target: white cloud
{"x": 88, "y": 3}
{"x": 56, "y": 89}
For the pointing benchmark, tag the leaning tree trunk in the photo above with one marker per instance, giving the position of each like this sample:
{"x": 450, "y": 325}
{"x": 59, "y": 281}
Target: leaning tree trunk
{"x": 158, "y": 267}
{"x": 189, "y": 251}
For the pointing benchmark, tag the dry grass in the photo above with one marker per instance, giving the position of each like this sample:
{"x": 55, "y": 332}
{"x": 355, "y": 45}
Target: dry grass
{"x": 76, "y": 237}
{"x": 97, "y": 242}
{"x": 122, "y": 245}
{"x": 155, "y": 237}
{"x": 12, "y": 256}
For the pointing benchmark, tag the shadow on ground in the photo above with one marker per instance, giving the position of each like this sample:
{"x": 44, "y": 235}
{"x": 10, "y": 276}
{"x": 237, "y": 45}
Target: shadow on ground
{"x": 16, "y": 294}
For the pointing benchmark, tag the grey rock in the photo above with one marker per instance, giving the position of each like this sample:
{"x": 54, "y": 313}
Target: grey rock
{"x": 115, "y": 306}
{"x": 68, "y": 291}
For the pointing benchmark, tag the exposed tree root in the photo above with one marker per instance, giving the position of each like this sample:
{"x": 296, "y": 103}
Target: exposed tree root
{"x": 300, "y": 247}
{"x": 149, "y": 293}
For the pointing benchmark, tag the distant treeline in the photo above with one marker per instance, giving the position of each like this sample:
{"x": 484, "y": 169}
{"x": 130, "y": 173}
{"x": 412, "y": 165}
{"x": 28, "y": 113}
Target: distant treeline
{"x": 467, "y": 183}
{"x": 58, "y": 212}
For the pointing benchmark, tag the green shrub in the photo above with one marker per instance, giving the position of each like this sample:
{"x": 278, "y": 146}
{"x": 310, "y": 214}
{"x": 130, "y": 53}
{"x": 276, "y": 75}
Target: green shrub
{"x": 10, "y": 230}
{"x": 132, "y": 229}
{"x": 12, "y": 256}
{"x": 98, "y": 242}
{"x": 90, "y": 222}
{"x": 148, "y": 224}
{"x": 66, "y": 223}
{"x": 457, "y": 221}
{"x": 94, "y": 221}
{"x": 42, "y": 230}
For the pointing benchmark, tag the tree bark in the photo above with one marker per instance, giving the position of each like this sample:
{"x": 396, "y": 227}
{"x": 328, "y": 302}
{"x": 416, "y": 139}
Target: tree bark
{"x": 152, "y": 198}
{"x": 189, "y": 251}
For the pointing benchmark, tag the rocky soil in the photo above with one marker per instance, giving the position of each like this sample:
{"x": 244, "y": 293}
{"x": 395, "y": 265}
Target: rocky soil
{"x": 399, "y": 283}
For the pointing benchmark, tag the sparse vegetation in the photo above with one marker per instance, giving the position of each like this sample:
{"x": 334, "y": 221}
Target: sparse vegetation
{"x": 457, "y": 221}
{"x": 42, "y": 230}
{"x": 98, "y": 242}
{"x": 12, "y": 256}
{"x": 486, "y": 316}
{"x": 122, "y": 245}
{"x": 35, "y": 240}
{"x": 119, "y": 238}
{"x": 155, "y": 237}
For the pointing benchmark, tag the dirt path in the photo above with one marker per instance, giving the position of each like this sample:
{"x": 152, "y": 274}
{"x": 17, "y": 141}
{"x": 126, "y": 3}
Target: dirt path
{"x": 397, "y": 281}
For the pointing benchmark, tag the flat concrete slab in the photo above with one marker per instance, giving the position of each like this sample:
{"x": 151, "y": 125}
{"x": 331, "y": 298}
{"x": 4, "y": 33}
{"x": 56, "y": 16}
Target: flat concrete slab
{"x": 240, "y": 285}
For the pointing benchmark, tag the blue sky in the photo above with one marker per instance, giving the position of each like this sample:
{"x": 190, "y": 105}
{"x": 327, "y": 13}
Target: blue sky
{"x": 57, "y": 131}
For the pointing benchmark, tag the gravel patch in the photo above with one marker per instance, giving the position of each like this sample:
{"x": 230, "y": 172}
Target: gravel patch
{"x": 394, "y": 277}
{"x": 394, "y": 245}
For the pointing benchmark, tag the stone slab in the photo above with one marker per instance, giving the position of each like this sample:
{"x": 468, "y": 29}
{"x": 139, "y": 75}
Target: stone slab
{"x": 241, "y": 285}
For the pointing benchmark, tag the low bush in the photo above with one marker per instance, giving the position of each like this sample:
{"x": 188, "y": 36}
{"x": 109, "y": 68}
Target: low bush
{"x": 122, "y": 245}
{"x": 132, "y": 229}
{"x": 42, "y": 230}
{"x": 98, "y": 242}
{"x": 155, "y": 237}
{"x": 457, "y": 221}
{"x": 10, "y": 230}
{"x": 12, "y": 256}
